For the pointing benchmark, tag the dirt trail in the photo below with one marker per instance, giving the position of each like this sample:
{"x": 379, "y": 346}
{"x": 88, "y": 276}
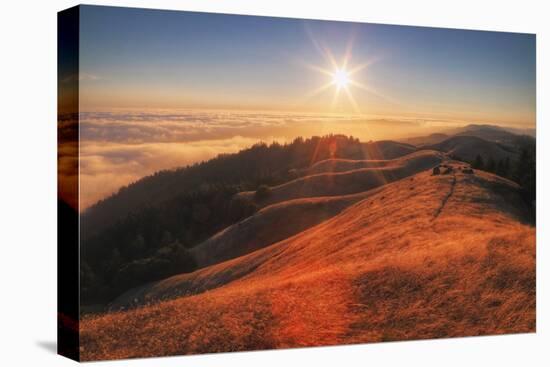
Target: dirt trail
{"x": 446, "y": 198}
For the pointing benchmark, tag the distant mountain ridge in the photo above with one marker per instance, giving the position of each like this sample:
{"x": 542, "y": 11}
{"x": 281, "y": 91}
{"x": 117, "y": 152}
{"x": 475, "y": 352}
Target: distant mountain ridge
{"x": 492, "y": 133}
{"x": 531, "y": 132}
{"x": 468, "y": 147}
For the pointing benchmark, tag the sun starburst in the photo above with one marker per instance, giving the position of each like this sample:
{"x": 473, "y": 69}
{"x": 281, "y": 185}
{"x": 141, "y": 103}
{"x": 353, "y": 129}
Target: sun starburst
{"x": 341, "y": 77}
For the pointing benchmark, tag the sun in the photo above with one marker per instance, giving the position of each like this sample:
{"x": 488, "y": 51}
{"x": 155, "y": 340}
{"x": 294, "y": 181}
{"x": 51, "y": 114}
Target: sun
{"x": 340, "y": 78}
{"x": 343, "y": 76}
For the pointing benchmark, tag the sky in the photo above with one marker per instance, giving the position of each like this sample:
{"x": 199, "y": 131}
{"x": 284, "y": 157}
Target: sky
{"x": 135, "y": 58}
{"x": 162, "y": 89}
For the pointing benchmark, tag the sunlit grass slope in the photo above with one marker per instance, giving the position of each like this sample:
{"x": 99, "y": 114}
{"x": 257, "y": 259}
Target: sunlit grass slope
{"x": 425, "y": 256}
{"x": 338, "y": 177}
{"x": 309, "y": 204}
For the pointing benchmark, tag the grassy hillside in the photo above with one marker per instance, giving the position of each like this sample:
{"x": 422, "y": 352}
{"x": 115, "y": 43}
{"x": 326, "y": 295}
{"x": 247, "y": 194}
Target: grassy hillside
{"x": 349, "y": 181}
{"x": 386, "y": 149}
{"x": 144, "y": 232}
{"x": 342, "y": 165}
{"x": 256, "y": 232}
{"x": 426, "y": 256}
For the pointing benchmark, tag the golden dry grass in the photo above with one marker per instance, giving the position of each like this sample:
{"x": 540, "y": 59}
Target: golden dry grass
{"x": 343, "y": 165}
{"x": 425, "y": 257}
{"x": 256, "y": 232}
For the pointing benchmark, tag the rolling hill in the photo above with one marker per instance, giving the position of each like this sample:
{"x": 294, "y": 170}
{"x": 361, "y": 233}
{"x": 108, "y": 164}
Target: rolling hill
{"x": 342, "y": 165}
{"x": 421, "y": 141}
{"x": 255, "y": 232}
{"x": 413, "y": 159}
{"x": 258, "y": 164}
{"x": 335, "y": 180}
{"x": 468, "y": 147}
{"x": 149, "y": 228}
{"x": 425, "y": 256}
{"x": 386, "y": 149}
{"x": 497, "y": 134}
{"x": 492, "y": 133}
{"x": 508, "y": 139}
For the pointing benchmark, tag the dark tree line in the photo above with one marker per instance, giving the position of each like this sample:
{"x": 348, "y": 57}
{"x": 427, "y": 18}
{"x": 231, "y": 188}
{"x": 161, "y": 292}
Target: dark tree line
{"x": 153, "y": 243}
{"x": 521, "y": 170}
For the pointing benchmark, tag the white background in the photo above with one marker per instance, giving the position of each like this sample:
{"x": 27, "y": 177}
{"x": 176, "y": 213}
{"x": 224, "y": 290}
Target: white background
{"x": 28, "y": 182}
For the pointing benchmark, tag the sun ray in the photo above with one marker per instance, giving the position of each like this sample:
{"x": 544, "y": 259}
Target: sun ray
{"x": 349, "y": 50}
{"x": 364, "y": 65}
{"x": 313, "y": 40}
{"x": 335, "y": 97}
{"x": 353, "y": 101}
{"x": 360, "y": 67}
{"x": 318, "y": 69}
{"x": 331, "y": 58}
{"x": 372, "y": 91}
{"x": 318, "y": 90}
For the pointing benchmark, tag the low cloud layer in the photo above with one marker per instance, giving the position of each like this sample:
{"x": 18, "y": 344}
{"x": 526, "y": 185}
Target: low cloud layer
{"x": 118, "y": 148}
{"x": 105, "y": 167}
{"x": 189, "y": 126}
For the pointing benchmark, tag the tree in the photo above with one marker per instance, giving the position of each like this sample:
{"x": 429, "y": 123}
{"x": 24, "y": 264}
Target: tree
{"x": 491, "y": 165}
{"x": 115, "y": 260}
{"x": 525, "y": 174}
{"x": 167, "y": 238}
{"x": 138, "y": 245}
{"x": 506, "y": 167}
{"x": 503, "y": 167}
{"x": 521, "y": 166}
{"x": 478, "y": 162}
{"x": 263, "y": 192}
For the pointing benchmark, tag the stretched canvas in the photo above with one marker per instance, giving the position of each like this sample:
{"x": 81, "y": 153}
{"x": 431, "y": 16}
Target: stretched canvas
{"x": 236, "y": 183}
